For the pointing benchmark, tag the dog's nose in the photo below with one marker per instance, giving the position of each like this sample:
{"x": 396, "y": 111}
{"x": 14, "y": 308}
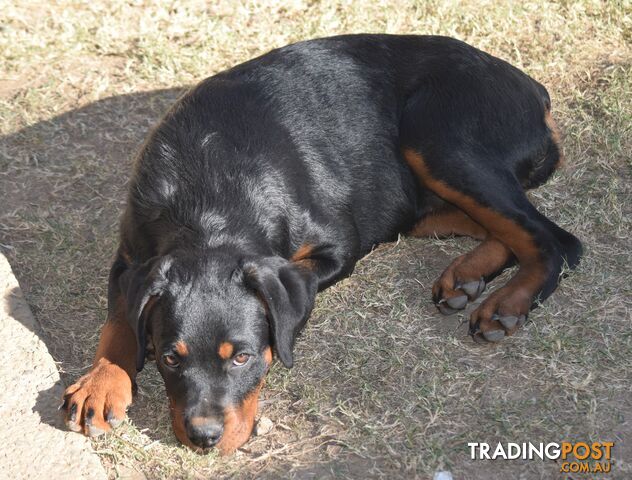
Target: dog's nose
{"x": 204, "y": 432}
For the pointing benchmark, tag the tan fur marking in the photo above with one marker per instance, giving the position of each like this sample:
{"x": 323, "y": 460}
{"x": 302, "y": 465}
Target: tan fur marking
{"x": 267, "y": 355}
{"x": 303, "y": 252}
{"x": 126, "y": 256}
{"x": 181, "y": 348}
{"x": 239, "y": 422}
{"x": 451, "y": 222}
{"x": 225, "y": 350}
{"x": 487, "y": 258}
{"x": 177, "y": 423}
{"x": 302, "y": 256}
{"x": 118, "y": 341}
{"x": 108, "y": 385}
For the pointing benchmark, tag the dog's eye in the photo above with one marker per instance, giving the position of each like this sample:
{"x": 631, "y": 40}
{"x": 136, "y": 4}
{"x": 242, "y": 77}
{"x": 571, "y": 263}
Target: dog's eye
{"x": 170, "y": 360}
{"x": 241, "y": 359}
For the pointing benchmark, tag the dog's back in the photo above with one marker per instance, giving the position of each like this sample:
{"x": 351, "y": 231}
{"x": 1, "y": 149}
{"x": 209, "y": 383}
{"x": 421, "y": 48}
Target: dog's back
{"x": 319, "y": 126}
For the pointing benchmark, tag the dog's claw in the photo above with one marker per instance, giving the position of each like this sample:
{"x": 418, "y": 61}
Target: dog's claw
{"x": 71, "y": 422}
{"x": 445, "y": 309}
{"x": 112, "y": 420}
{"x": 73, "y": 412}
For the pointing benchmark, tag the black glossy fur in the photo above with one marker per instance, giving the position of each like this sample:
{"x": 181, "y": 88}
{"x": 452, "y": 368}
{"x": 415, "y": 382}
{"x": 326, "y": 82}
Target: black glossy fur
{"x": 303, "y": 146}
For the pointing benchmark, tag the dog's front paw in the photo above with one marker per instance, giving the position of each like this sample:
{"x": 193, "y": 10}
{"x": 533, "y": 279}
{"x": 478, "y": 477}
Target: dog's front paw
{"x": 99, "y": 399}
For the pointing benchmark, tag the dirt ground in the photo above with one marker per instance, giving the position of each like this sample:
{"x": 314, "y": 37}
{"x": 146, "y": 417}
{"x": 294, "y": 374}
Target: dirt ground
{"x": 383, "y": 386}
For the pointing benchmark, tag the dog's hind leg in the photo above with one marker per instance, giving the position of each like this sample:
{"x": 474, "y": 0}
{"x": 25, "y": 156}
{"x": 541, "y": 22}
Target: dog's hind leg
{"x": 494, "y": 199}
{"x": 465, "y": 279}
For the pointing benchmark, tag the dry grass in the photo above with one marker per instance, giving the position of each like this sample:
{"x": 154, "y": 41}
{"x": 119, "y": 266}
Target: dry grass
{"x": 383, "y": 386}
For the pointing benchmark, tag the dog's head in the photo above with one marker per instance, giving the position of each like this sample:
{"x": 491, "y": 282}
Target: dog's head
{"x": 211, "y": 318}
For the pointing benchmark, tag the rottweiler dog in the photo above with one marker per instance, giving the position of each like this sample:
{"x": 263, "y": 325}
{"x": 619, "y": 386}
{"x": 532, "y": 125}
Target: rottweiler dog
{"x": 266, "y": 183}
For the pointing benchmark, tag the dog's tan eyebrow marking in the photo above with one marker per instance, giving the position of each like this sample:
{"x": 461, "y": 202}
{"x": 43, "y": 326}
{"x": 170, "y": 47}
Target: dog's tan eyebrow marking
{"x": 181, "y": 348}
{"x": 302, "y": 256}
{"x": 303, "y": 252}
{"x": 225, "y": 350}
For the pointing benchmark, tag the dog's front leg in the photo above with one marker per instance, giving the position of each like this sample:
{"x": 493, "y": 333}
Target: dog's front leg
{"x": 98, "y": 400}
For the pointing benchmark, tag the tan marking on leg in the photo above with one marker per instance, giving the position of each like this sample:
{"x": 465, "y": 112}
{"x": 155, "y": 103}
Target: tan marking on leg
{"x": 117, "y": 343}
{"x": 107, "y": 387}
{"x": 225, "y": 350}
{"x": 486, "y": 259}
{"x": 505, "y": 230}
{"x": 451, "y": 222}
{"x": 303, "y": 252}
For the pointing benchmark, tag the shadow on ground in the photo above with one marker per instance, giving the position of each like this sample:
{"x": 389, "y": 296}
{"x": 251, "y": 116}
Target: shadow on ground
{"x": 63, "y": 183}
{"x": 63, "y": 187}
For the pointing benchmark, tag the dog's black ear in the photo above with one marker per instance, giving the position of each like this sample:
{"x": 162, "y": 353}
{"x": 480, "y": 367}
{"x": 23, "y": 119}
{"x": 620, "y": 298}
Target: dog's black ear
{"x": 138, "y": 285}
{"x": 289, "y": 291}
